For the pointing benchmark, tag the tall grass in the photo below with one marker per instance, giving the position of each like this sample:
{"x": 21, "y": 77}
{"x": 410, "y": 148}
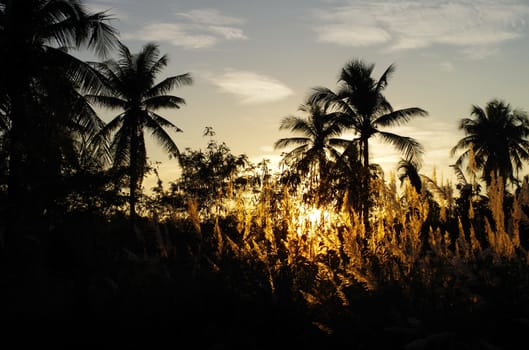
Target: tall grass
{"x": 414, "y": 260}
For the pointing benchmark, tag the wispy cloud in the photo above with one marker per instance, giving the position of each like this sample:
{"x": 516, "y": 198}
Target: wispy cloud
{"x": 210, "y": 17}
{"x": 266, "y": 148}
{"x": 176, "y": 34}
{"x": 195, "y": 29}
{"x": 447, "y": 66}
{"x": 250, "y": 87}
{"x": 476, "y": 27}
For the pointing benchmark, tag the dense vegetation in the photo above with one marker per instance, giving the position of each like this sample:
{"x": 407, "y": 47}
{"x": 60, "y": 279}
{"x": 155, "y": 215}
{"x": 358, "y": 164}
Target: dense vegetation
{"x": 328, "y": 252}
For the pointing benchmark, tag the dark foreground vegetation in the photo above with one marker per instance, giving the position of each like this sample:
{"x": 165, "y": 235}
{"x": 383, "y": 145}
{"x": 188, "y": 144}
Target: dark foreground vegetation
{"x": 328, "y": 252}
{"x": 269, "y": 274}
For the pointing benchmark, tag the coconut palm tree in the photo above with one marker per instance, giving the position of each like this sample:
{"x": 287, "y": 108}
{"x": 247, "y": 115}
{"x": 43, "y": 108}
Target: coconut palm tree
{"x": 36, "y": 37}
{"x": 317, "y": 144}
{"x": 360, "y": 98}
{"x": 496, "y": 140}
{"x": 131, "y": 89}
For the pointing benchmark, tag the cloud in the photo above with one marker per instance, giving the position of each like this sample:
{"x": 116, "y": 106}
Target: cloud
{"x": 251, "y": 87}
{"x": 210, "y": 17}
{"x": 478, "y": 53}
{"x": 475, "y": 27}
{"x": 176, "y": 34}
{"x": 266, "y": 148}
{"x": 447, "y": 66}
{"x": 229, "y": 33}
{"x": 427, "y": 130}
{"x": 347, "y": 35}
{"x": 196, "y": 29}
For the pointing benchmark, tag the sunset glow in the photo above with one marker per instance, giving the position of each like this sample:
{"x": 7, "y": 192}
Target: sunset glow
{"x": 253, "y": 67}
{"x": 322, "y": 174}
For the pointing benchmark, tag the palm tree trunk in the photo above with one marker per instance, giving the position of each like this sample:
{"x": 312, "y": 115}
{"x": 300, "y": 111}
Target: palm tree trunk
{"x": 133, "y": 176}
{"x": 132, "y": 198}
{"x": 365, "y": 186}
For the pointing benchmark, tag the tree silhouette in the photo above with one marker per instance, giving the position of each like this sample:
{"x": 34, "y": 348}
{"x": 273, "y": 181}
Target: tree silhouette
{"x": 131, "y": 88}
{"x": 360, "y": 98}
{"x": 497, "y": 140}
{"x": 35, "y": 39}
{"x": 210, "y": 174}
{"x": 408, "y": 169}
{"x": 317, "y": 144}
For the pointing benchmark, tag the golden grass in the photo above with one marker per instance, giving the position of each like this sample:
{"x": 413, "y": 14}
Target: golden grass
{"x": 323, "y": 256}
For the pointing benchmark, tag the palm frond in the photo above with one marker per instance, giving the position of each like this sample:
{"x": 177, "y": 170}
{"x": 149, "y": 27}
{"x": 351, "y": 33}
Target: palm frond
{"x": 327, "y": 99}
{"x": 356, "y": 75}
{"x": 400, "y": 117}
{"x": 342, "y": 143}
{"x": 85, "y": 116}
{"x": 459, "y": 174}
{"x": 103, "y": 36}
{"x": 109, "y": 72}
{"x": 125, "y": 61}
{"x": 162, "y": 137}
{"x": 478, "y": 112}
{"x": 143, "y": 62}
{"x": 464, "y": 143}
{"x": 113, "y": 125}
{"x": 169, "y": 84}
{"x": 296, "y": 124}
{"x": 411, "y": 149}
{"x": 68, "y": 23}
{"x": 81, "y": 74}
{"x": 164, "y": 122}
{"x": 296, "y": 153}
{"x": 110, "y": 102}
{"x": 163, "y": 101}
{"x": 383, "y": 80}
{"x": 157, "y": 66}
{"x": 120, "y": 148}
{"x": 291, "y": 141}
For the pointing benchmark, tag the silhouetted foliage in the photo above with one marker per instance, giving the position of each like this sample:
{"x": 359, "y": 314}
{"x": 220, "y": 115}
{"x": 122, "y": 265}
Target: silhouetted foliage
{"x": 130, "y": 87}
{"x": 498, "y": 138}
{"x": 361, "y": 100}
{"x": 410, "y": 170}
{"x": 212, "y": 174}
{"x": 316, "y": 149}
{"x": 236, "y": 255}
{"x": 40, "y": 89}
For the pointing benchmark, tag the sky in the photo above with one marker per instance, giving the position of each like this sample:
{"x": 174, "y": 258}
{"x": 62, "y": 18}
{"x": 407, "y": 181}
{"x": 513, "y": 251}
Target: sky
{"x": 255, "y": 62}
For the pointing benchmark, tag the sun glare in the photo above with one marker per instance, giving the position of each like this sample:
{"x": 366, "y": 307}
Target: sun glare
{"x": 312, "y": 218}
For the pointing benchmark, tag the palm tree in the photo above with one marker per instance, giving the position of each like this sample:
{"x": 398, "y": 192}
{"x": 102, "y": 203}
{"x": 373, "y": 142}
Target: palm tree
{"x": 360, "y": 98}
{"x": 35, "y": 39}
{"x": 131, "y": 88}
{"x": 496, "y": 140}
{"x": 317, "y": 144}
